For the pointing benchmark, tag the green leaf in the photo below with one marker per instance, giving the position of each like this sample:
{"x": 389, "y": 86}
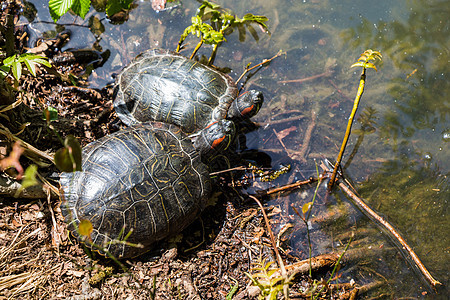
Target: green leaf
{"x": 16, "y": 67}
{"x": 96, "y": 26}
{"x": 306, "y": 207}
{"x": 85, "y": 228}
{"x": 371, "y": 66}
{"x": 29, "y": 178}
{"x": 233, "y": 290}
{"x": 32, "y": 60}
{"x": 81, "y": 7}
{"x": 358, "y": 64}
{"x": 31, "y": 67}
{"x": 114, "y": 6}
{"x": 242, "y": 32}
{"x": 271, "y": 272}
{"x": 68, "y": 159}
{"x": 50, "y": 114}
{"x": 59, "y": 8}
{"x": 275, "y": 280}
{"x": 253, "y": 32}
{"x": 42, "y": 61}
{"x": 9, "y": 60}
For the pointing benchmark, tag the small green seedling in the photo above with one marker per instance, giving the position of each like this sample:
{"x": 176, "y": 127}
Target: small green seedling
{"x": 222, "y": 23}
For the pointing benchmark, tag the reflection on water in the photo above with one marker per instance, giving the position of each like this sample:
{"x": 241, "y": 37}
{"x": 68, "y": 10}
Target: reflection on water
{"x": 400, "y": 164}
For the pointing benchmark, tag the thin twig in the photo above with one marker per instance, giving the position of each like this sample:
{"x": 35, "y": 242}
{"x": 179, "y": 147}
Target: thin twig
{"x": 5, "y": 131}
{"x": 374, "y": 216}
{"x": 302, "y": 80}
{"x": 291, "y": 186}
{"x": 281, "y": 142}
{"x": 281, "y": 121}
{"x": 307, "y": 137}
{"x": 265, "y": 61}
{"x": 274, "y": 244}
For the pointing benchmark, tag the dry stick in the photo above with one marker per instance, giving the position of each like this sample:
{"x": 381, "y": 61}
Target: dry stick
{"x": 281, "y": 142}
{"x": 327, "y": 260}
{"x": 240, "y": 168}
{"x": 265, "y": 61}
{"x": 5, "y": 131}
{"x": 56, "y": 237}
{"x": 324, "y": 74}
{"x": 374, "y": 216}
{"x": 11, "y": 106}
{"x": 291, "y": 186}
{"x": 308, "y": 134}
{"x": 276, "y": 122}
{"x": 339, "y": 91}
{"x": 272, "y": 239}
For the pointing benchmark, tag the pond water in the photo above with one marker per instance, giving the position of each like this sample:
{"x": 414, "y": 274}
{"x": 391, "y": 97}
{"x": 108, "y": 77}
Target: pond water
{"x": 398, "y": 155}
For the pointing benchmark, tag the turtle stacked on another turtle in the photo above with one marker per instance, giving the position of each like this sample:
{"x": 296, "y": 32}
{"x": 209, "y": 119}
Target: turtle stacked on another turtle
{"x": 152, "y": 178}
{"x": 161, "y": 85}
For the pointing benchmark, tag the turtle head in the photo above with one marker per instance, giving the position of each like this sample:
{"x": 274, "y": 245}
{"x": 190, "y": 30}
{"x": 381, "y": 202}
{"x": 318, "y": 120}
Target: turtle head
{"x": 246, "y": 105}
{"x": 214, "y": 138}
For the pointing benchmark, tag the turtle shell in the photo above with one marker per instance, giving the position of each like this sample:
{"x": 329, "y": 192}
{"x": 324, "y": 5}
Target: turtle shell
{"x": 147, "y": 178}
{"x": 161, "y": 85}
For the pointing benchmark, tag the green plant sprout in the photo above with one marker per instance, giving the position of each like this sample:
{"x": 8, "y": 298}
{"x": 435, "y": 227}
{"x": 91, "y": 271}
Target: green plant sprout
{"x": 364, "y": 62}
{"x": 14, "y": 64}
{"x": 223, "y": 23}
{"x": 233, "y": 290}
{"x": 268, "y": 284}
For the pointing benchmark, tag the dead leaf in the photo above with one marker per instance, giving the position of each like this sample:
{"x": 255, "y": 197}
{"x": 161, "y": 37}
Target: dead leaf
{"x": 285, "y": 132}
{"x": 13, "y": 160}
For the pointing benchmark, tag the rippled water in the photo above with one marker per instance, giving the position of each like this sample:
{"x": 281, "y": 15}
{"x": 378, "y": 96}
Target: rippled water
{"x": 399, "y": 160}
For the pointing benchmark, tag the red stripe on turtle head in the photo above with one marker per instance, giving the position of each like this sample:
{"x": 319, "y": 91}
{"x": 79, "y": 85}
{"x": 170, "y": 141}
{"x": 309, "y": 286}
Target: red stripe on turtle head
{"x": 217, "y": 142}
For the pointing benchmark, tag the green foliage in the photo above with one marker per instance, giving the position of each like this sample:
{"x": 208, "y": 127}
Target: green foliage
{"x": 222, "y": 23}
{"x": 14, "y": 64}
{"x": 222, "y": 19}
{"x": 267, "y": 176}
{"x": 115, "y": 6}
{"x": 267, "y": 280}
{"x": 233, "y": 290}
{"x": 50, "y": 114}
{"x": 59, "y": 7}
{"x": 203, "y": 31}
{"x": 366, "y": 57}
{"x": 68, "y": 159}
{"x": 81, "y": 7}
{"x": 364, "y": 62}
{"x": 29, "y": 179}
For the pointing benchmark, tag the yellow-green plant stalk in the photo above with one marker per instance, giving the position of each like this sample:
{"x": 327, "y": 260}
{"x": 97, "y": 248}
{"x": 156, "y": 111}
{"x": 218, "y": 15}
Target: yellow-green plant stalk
{"x": 364, "y": 62}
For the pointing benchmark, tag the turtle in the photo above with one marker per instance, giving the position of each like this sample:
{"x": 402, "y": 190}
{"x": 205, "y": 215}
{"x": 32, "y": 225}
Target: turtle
{"x": 161, "y": 85}
{"x": 150, "y": 178}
